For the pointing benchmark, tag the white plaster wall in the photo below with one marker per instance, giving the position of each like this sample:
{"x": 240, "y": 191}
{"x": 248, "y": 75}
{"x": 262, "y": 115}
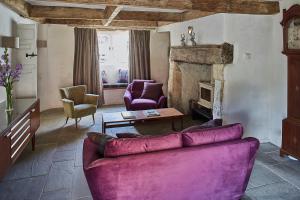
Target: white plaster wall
{"x": 247, "y": 80}
{"x": 208, "y": 30}
{"x": 55, "y": 63}
{"x": 8, "y": 22}
{"x": 159, "y": 58}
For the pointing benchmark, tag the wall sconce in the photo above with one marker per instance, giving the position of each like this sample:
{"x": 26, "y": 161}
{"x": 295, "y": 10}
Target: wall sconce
{"x": 192, "y": 35}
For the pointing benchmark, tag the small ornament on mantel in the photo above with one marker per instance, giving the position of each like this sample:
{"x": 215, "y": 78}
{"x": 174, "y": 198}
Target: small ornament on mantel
{"x": 182, "y": 40}
{"x": 192, "y": 35}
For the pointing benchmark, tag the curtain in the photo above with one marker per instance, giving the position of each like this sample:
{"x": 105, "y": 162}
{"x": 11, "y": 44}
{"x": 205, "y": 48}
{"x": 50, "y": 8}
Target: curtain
{"x": 86, "y": 62}
{"x": 139, "y": 55}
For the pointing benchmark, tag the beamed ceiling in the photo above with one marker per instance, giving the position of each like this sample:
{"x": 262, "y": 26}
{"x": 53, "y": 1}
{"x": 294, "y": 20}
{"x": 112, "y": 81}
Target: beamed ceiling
{"x": 133, "y": 14}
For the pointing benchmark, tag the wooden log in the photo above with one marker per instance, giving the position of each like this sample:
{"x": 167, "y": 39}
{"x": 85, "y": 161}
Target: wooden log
{"x": 204, "y": 54}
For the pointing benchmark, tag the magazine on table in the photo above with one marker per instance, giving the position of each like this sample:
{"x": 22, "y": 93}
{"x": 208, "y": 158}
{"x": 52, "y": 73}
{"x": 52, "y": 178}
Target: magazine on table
{"x": 151, "y": 113}
{"x": 128, "y": 115}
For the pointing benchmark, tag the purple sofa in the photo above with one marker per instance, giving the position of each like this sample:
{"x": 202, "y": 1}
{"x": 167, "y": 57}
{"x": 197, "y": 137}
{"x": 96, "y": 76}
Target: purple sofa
{"x": 207, "y": 164}
{"x": 133, "y": 100}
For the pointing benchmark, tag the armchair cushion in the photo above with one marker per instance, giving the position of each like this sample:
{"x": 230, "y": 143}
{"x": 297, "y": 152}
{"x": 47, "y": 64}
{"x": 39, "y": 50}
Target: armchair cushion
{"x": 76, "y": 93}
{"x": 137, "y": 87}
{"x": 143, "y": 104}
{"x": 213, "y": 135}
{"x": 84, "y": 110}
{"x": 152, "y": 91}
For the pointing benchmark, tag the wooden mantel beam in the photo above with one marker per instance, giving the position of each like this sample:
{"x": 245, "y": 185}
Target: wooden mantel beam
{"x": 19, "y": 6}
{"x": 218, "y": 6}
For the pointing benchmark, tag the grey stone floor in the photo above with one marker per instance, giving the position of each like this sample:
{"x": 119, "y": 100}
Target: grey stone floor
{"x": 54, "y": 170}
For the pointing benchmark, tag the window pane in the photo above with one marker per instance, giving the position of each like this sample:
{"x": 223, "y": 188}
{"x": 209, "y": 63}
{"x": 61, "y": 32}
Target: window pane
{"x": 114, "y": 52}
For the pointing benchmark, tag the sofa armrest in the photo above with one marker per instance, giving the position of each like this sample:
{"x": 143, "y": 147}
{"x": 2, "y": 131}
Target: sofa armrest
{"x": 162, "y": 102}
{"x": 90, "y": 153}
{"x": 127, "y": 99}
{"x": 68, "y": 107}
{"x": 91, "y": 99}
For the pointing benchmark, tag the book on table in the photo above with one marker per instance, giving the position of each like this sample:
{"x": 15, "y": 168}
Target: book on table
{"x": 151, "y": 113}
{"x": 128, "y": 115}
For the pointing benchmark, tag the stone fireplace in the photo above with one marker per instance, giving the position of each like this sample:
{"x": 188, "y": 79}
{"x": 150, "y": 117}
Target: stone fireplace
{"x": 190, "y": 65}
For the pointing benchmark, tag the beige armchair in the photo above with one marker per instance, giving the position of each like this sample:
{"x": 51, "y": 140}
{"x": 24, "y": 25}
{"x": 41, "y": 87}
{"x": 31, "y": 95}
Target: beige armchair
{"x": 77, "y": 103}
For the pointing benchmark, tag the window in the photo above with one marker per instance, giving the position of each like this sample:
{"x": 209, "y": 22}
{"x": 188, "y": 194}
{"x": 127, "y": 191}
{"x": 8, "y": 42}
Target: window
{"x": 114, "y": 55}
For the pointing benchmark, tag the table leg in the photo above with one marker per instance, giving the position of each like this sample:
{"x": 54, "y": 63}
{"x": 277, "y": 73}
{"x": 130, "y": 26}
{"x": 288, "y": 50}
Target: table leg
{"x": 181, "y": 121}
{"x": 33, "y": 142}
{"x": 103, "y": 127}
{"x": 173, "y": 125}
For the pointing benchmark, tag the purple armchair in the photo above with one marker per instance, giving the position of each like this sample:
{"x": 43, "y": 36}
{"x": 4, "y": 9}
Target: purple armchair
{"x": 134, "y": 102}
{"x": 201, "y": 165}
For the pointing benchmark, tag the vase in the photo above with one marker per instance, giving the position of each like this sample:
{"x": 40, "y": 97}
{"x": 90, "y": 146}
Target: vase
{"x": 9, "y": 99}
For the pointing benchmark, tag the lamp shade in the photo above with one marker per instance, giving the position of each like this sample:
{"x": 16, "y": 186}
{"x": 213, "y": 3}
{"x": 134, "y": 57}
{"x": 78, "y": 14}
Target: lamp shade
{"x": 9, "y": 42}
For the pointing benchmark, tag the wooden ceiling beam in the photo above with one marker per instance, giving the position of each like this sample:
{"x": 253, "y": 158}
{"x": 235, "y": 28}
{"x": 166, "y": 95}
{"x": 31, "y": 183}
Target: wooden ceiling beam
{"x": 65, "y": 13}
{"x": 85, "y": 13}
{"x": 19, "y": 6}
{"x": 149, "y": 16}
{"x": 189, "y": 15}
{"x": 218, "y": 6}
{"x": 111, "y": 12}
{"x": 100, "y": 23}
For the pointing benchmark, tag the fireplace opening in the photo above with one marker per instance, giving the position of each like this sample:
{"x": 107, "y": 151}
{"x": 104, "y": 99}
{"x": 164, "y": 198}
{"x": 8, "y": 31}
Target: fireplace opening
{"x": 206, "y": 94}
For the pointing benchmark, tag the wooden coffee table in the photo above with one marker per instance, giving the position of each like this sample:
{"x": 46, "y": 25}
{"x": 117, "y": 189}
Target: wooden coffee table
{"x": 113, "y": 120}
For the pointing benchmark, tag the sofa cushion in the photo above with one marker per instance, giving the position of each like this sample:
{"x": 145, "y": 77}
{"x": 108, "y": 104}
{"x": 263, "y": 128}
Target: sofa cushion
{"x": 152, "y": 91}
{"x": 99, "y": 139}
{"x": 138, "y": 86}
{"x": 212, "y": 135}
{"x": 210, "y": 124}
{"x": 143, "y": 104}
{"x": 128, "y": 146}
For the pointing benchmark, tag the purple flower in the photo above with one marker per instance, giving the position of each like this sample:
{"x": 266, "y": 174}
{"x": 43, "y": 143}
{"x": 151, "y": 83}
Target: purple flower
{"x": 19, "y": 67}
{"x": 8, "y": 74}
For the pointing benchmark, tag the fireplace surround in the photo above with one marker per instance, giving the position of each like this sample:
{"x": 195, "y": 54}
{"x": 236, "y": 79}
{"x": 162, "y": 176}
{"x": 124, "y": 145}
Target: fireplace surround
{"x": 190, "y": 65}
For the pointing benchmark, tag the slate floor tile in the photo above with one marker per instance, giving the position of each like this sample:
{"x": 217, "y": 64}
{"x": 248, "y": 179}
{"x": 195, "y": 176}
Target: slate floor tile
{"x": 80, "y": 187}
{"x": 23, "y": 189}
{"x": 63, "y": 156}
{"x": 42, "y": 159}
{"x": 275, "y": 156}
{"x": 78, "y": 156}
{"x": 262, "y": 176}
{"x": 267, "y": 147}
{"x": 60, "y": 176}
{"x": 265, "y": 159}
{"x": 290, "y": 174}
{"x": 57, "y": 195}
{"x": 275, "y": 191}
